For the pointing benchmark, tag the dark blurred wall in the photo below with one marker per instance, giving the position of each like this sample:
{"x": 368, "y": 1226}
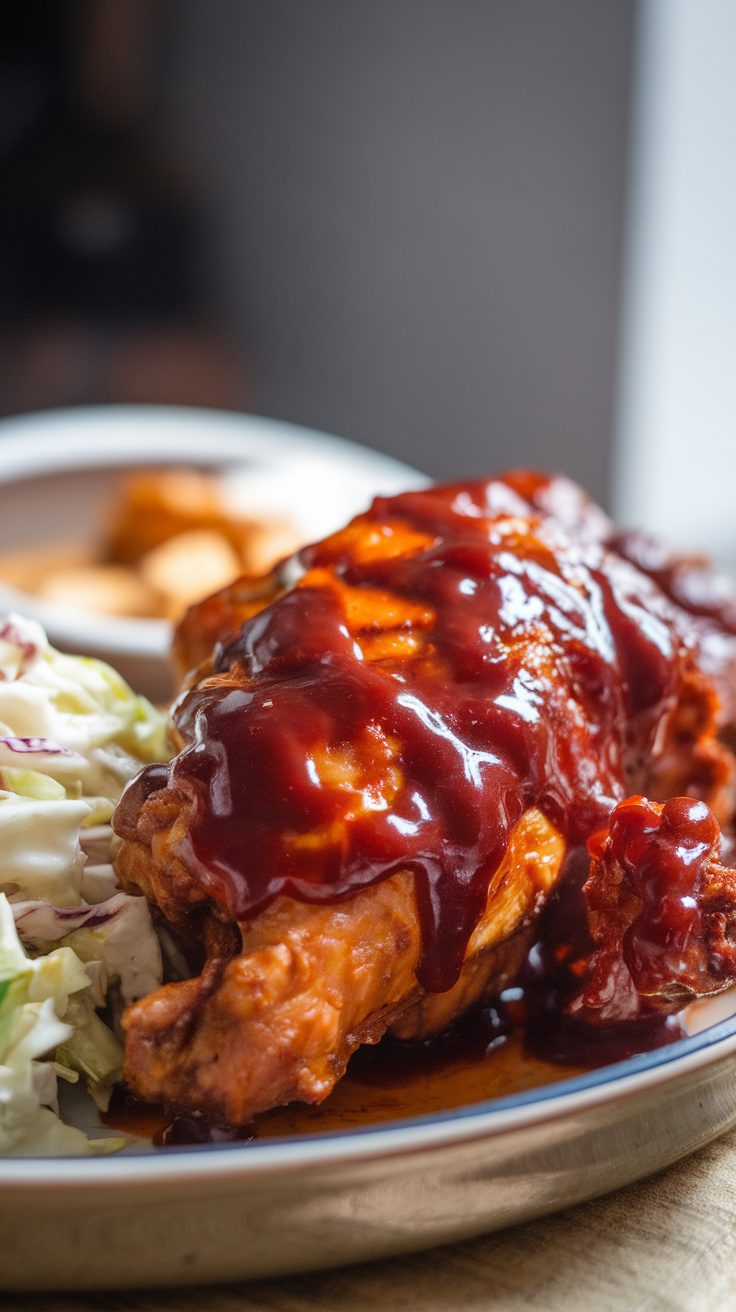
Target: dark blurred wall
{"x": 102, "y": 297}
{"x": 415, "y": 214}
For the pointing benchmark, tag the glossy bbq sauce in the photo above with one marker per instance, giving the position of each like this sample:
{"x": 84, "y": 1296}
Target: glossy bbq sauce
{"x": 455, "y": 661}
{"x": 661, "y": 908}
{"x": 449, "y": 663}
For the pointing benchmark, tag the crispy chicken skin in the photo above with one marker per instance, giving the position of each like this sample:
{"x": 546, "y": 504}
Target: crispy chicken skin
{"x": 218, "y": 617}
{"x": 529, "y": 655}
{"x": 277, "y": 1022}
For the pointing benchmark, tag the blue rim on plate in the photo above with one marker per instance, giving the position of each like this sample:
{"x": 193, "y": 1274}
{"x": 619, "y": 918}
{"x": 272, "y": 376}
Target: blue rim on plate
{"x": 547, "y": 1093}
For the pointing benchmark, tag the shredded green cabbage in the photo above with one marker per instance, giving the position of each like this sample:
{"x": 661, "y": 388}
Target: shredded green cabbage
{"x": 72, "y": 734}
{"x": 34, "y": 997}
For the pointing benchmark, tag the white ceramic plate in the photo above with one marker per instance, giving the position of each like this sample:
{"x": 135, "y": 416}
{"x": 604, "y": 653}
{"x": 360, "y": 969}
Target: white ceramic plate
{"x": 224, "y": 1213}
{"x": 59, "y": 468}
{"x": 202, "y": 1214}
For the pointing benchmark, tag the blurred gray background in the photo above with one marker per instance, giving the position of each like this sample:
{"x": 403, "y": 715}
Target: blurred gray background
{"x": 399, "y": 221}
{"x": 414, "y": 215}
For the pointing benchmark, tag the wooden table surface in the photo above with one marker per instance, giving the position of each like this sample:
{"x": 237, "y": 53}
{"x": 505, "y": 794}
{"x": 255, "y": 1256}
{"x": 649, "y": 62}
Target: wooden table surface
{"x": 666, "y": 1245}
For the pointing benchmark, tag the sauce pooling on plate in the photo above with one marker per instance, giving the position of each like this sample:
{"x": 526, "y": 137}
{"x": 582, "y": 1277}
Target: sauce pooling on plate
{"x": 497, "y": 1051}
{"x": 458, "y": 660}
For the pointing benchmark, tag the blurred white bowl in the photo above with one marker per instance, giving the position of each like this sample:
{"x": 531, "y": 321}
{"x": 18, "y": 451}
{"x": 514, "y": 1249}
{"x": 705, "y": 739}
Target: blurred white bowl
{"x": 58, "y": 471}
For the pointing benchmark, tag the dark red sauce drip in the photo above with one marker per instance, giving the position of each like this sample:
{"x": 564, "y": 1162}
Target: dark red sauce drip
{"x": 519, "y": 1042}
{"x": 166, "y": 1126}
{"x": 474, "y": 1037}
{"x": 547, "y": 668}
{"x": 555, "y": 970}
{"x": 661, "y": 910}
{"x": 690, "y": 581}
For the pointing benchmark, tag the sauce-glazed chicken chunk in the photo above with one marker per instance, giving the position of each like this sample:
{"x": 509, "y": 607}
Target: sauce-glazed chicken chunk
{"x": 662, "y": 911}
{"x": 387, "y": 750}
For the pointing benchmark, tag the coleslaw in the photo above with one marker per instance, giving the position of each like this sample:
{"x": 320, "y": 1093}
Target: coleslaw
{"x": 74, "y": 948}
